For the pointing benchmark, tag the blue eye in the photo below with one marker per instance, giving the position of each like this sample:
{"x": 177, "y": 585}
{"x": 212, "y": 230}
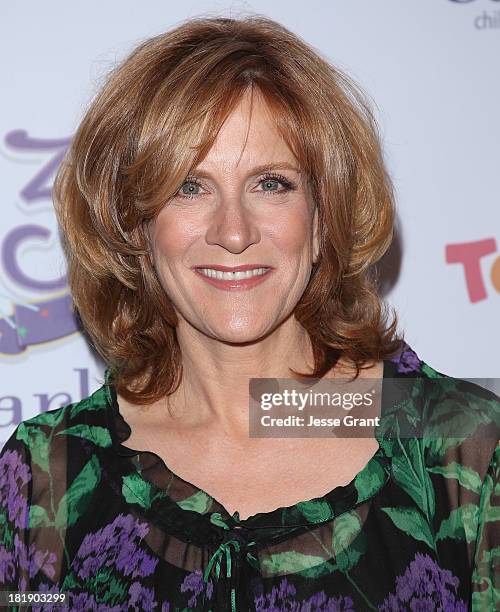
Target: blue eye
{"x": 191, "y": 186}
{"x": 270, "y": 183}
{"x": 271, "y": 179}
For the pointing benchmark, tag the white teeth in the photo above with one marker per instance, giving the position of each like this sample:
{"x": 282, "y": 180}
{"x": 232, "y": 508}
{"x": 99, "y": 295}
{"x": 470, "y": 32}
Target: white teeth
{"x": 232, "y": 275}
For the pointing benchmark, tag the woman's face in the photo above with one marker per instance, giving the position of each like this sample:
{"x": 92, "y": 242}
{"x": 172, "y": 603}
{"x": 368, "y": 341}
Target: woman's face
{"x": 245, "y": 204}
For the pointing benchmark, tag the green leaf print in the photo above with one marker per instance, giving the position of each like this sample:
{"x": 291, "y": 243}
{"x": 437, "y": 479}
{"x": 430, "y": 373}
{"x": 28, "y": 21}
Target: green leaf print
{"x": 489, "y": 560}
{"x": 199, "y": 502}
{"x": 368, "y": 481}
{"x": 323, "y": 569}
{"x": 136, "y": 490}
{"x": 288, "y": 562}
{"x": 430, "y": 372}
{"x": 458, "y": 417}
{"x": 38, "y": 517}
{"x": 405, "y": 407}
{"x": 37, "y": 442}
{"x": 348, "y": 540}
{"x": 93, "y": 433}
{"x": 52, "y": 419}
{"x": 77, "y": 497}
{"x": 438, "y": 447}
{"x": 397, "y": 416}
{"x": 466, "y": 476}
{"x": 6, "y": 533}
{"x": 485, "y": 506}
{"x": 96, "y": 401}
{"x": 412, "y": 476}
{"x": 108, "y": 589}
{"x": 487, "y": 598}
{"x": 70, "y": 582}
{"x": 493, "y": 514}
{"x": 412, "y": 522}
{"x": 315, "y": 511}
{"x": 461, "y": 523}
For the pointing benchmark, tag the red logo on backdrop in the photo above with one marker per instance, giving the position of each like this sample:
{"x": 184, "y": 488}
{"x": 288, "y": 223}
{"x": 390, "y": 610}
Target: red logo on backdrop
{"x": 469, "y": 255}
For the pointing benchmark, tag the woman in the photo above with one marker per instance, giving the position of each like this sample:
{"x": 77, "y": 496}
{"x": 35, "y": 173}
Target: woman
{"x": 221, "y": 147}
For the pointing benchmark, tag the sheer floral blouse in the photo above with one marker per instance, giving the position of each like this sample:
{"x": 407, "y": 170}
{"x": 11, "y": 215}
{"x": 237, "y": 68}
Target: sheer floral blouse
{"x": 115, "y": 529}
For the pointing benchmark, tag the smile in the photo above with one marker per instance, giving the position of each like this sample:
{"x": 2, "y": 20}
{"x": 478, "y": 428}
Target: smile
{"x": 241, "y": 279}
{"x": 210, "y": 272}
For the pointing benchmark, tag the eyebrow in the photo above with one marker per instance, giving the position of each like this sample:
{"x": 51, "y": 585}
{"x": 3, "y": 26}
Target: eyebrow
{"x": 260, "y": 169}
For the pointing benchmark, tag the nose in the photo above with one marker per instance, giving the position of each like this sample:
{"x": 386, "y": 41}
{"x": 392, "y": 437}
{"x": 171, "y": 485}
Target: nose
{"x": 232, "y": 226}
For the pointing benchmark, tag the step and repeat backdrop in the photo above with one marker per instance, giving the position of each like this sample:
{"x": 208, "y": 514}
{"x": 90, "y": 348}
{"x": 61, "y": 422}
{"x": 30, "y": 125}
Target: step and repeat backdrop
{"x": 431, "y": 68}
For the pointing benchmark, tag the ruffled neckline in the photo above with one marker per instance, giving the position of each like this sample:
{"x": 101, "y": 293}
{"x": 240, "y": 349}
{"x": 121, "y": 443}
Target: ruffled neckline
{"x": 178, "y": 504}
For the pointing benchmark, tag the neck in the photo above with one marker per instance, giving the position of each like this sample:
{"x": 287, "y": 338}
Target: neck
{"x": 215, "y": 380}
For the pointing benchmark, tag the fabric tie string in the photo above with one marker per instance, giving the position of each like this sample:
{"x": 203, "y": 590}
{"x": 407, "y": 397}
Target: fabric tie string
{"x": 216, "y": 559}
{"x": 224, "y": 550}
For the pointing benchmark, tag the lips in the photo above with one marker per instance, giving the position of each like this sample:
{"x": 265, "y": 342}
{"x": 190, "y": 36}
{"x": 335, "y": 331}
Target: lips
{"x": 242, "y": 268}
{"x": 233, "y": 284}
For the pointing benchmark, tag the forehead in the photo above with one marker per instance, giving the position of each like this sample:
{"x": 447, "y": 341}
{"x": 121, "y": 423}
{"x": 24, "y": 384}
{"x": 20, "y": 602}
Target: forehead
{"x": 248, "y": 137}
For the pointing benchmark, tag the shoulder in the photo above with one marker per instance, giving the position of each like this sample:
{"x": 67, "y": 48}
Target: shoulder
{"x": 458, "y": 421}
{"x": 49, "y": 433}
{"x": 56, "y": 453}
{"x": 411, "y": 370}
{"x": 50, "y": 470}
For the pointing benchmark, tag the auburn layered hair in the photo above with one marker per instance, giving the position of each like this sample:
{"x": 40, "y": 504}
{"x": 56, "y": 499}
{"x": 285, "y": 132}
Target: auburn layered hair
{"x": 154, "y": 119}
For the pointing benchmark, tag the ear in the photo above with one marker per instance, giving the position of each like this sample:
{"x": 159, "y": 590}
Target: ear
{"x": 315, "y": 241}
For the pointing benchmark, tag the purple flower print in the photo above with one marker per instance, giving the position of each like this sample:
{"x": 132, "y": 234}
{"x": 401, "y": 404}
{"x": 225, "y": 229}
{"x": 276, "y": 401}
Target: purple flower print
{"x": 7, "y": 566}
{"x": 19, "y": 562}
{"x": 424, "y": 587}
{"x": 32, "y": 560}
{"x": 115, "y": 546}
{"x": 104, "y": 562}
{"x": 81, "y": 602}
{"x": 141, "y": 598}
{"x": 407, "y": 360}
{"x": 320, "y": 602}
{"x": 283, "y": 598}
{"x": 14, "y": 475}
{"x": 85, "y": 602}
{"x": 26, "y": 558}
{"x": 276, "y": 599}
{"x": 194, "y": 582}
{"x": 46, "y": 607}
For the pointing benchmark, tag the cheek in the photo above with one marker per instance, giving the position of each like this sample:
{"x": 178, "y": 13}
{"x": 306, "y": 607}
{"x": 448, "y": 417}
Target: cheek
{"x": 291, "y": 233}
{"x": 171, "y": 236}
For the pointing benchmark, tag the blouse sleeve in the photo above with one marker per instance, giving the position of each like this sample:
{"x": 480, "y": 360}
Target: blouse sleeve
{"x": 486, "y": 562}
{"x": 27, "y": 561}
{"x": 15, "y": 493}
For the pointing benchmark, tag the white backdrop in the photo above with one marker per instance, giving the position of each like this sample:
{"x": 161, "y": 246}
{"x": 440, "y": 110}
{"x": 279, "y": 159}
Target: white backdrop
{"x": 431, "y": 67}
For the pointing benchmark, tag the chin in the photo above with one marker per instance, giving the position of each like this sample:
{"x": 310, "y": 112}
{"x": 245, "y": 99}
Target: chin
{"x": 238, "y": 332}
